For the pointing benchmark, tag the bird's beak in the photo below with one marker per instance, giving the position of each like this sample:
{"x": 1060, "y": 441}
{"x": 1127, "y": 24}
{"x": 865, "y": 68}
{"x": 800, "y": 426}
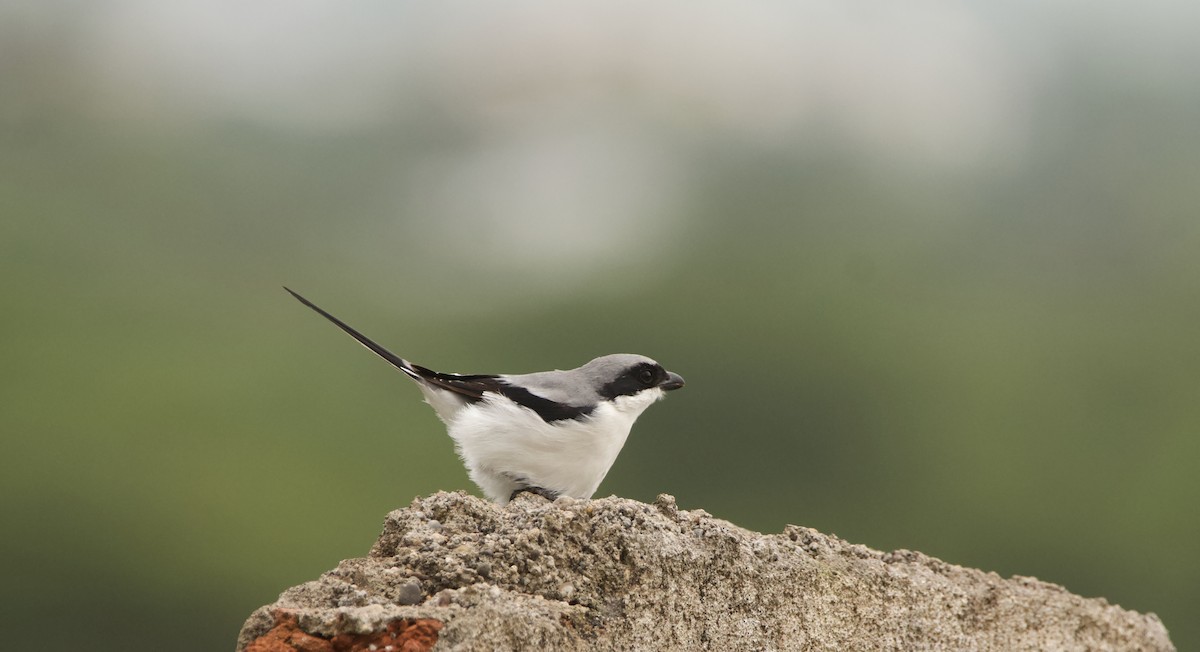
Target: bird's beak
{"x": 673, "y": 381}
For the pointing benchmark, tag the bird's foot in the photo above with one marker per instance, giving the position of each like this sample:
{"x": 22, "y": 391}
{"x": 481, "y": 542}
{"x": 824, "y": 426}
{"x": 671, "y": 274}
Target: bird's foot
{"x": 544, "y": 493}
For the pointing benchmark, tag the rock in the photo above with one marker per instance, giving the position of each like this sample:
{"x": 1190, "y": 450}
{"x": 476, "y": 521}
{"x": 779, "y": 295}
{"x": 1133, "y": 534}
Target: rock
{"x": 409, "y": 593}
{"x": 616, "y": 574}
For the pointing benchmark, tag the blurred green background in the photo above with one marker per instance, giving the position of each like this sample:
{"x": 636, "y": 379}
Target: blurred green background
{"x": 932, "y": 271}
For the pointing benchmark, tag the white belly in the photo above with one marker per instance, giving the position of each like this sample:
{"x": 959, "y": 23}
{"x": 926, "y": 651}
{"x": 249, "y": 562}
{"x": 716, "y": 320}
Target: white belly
{"x": 506, "y": 446}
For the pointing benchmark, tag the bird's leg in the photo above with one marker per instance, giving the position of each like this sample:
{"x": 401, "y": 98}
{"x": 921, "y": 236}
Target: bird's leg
{"x": 544, "y": 493}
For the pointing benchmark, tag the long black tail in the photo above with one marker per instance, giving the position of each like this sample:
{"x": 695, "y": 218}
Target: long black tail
{"x": 392, "y": 358}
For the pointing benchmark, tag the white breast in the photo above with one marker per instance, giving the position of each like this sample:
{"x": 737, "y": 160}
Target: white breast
{"x": 505, "y": 446}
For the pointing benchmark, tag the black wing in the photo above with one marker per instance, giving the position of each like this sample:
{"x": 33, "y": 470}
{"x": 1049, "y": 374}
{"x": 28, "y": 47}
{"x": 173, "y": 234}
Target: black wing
{"x": 549, "y": 410}
{"x": 470, "y": 386}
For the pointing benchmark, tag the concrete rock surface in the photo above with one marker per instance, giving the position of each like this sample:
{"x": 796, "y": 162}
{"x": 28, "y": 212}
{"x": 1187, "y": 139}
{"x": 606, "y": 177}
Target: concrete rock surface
{"x": 617, "y": 574}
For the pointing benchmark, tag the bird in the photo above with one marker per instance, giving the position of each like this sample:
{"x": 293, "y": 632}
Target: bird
{"x": 550, "y": 433}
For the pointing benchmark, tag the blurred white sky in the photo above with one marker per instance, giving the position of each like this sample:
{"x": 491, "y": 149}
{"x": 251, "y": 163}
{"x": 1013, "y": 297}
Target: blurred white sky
{"x": 927, "y": 80}
{"x": 578, "y": 119}
{"x": 579, "y": 116}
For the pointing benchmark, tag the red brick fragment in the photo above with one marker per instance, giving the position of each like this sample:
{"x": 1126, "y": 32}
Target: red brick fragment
{"x": 286, "y": 636}
{"x": 400, "y": 635}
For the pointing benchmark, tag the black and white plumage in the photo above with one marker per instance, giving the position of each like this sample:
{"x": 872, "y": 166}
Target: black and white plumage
{"x": 555, "y": 433}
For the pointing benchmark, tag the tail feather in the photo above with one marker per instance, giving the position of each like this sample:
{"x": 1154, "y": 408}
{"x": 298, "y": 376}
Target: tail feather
{"x": 392, "y": 358}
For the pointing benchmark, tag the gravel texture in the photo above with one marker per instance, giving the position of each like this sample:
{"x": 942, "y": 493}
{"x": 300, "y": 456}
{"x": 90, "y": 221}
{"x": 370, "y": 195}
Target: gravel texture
{"x": 616, "y": 574}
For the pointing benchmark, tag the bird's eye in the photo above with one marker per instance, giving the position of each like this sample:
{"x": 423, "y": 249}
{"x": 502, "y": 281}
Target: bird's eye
{"x": 646, "y": 377}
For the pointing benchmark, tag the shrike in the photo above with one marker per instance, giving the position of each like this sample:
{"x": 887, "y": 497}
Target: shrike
{"x": 554, "y": 433}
